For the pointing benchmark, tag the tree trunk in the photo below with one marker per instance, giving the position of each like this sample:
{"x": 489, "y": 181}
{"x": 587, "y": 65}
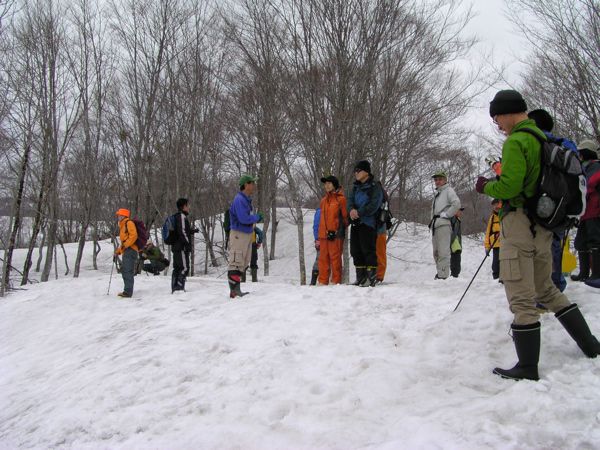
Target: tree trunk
{"x": 80, "y": 247}
{"x": 273, "y": 230}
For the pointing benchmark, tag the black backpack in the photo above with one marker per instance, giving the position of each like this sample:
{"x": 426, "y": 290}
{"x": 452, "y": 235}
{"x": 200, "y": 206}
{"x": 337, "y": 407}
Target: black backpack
{"x": 384, "y": 215}
{"x": 560, "y": 195}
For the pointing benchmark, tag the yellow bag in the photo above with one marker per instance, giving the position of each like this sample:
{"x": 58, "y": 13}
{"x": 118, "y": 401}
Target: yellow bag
{"x": 455, "y": 247}
{"x": 569, "y": 262}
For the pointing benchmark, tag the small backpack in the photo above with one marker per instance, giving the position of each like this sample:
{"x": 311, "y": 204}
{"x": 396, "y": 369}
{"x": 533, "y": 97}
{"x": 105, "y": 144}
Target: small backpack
{"x": 168, "y": 230}
{"x": 384, "y": 215}
{"x": 142, "y": 233}
{"x": 560, "y": 195}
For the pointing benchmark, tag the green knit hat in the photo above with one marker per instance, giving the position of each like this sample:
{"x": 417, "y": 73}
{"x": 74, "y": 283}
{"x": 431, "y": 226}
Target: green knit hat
{"x": 247, "y": 179}
{"x": 440, "y": 173}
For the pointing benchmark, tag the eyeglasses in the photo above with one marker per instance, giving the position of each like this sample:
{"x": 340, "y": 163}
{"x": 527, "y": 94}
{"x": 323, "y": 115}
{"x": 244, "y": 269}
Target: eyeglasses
{"x": 495, "y": 119}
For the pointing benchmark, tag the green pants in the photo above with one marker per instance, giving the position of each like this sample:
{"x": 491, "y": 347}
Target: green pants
{"x": 526, "y": 268}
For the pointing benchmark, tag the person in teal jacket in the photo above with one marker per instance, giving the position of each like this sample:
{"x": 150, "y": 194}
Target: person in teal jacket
{"x": 525, "y": 255}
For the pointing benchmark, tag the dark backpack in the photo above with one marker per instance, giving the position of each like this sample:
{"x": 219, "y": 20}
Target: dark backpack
{"x": 142, "y": 233}
{"x": 560, "y": 195}
{"x": 168, "y": 230}
{"x": 227, "y": 221}
{"x": 384, "y": 215}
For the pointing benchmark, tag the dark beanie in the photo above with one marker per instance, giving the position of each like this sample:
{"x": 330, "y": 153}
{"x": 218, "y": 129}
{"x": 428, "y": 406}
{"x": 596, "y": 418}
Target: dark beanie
{"x": 587, "y": 154}
{"x": 507, "y": 102}
{"x": 363, "y": 165}
{"x": 333, "y": 180}
{"x": 542, "y": 118}
{"x": 181, "y": 202}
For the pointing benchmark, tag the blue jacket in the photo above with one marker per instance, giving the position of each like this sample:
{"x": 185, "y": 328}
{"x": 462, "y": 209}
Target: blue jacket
{"x": 566, "y": 143}
{"x": 366, "y": 198}
{"x": 240, "y": 213}
{"x": 316, "y": 222}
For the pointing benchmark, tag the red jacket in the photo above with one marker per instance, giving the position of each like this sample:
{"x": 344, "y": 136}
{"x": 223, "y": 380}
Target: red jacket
{"x": 334, "y": 215}
{"x": 592, "y": 198}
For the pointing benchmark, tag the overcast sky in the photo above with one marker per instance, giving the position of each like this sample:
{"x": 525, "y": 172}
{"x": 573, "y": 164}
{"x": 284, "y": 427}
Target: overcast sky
{"x": 496, "y": 34}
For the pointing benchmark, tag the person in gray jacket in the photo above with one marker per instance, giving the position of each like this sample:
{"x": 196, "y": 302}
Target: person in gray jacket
{"x": 445, "y": 205}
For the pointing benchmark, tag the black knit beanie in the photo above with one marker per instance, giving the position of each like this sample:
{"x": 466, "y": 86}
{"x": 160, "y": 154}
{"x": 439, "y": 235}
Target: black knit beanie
{"x": 363, "y": 165}
{"x": 542, "y": 118}
{"x": 507, "y": 102}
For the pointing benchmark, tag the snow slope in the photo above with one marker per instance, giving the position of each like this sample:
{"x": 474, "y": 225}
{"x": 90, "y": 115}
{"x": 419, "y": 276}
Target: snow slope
{"x": 289, "y": 366}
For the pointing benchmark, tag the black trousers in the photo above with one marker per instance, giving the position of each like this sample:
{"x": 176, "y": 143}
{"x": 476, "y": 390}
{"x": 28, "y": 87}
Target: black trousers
{"x": 455, "y": 263}
{"x": 496, "y": 263}
{"x": 254, "y": 257}
{"x": 588, "y": 235}
{"x": 181, "y": 268}
{"x": 363, "y": 245}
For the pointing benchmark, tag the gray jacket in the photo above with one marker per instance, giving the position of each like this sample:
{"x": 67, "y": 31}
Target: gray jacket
{"x": 445, "y": 204}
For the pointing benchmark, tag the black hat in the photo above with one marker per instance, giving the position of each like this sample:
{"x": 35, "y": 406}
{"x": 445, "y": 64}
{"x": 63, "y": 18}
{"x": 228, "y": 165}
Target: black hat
{"x": 507, "y": 102}
{"x": 587, "y": 154}
{"x": 332, "y": 179}
{"x": 363, "y": 165}
{"x": 181, "y": 202}
{"x": 542, "y": 118}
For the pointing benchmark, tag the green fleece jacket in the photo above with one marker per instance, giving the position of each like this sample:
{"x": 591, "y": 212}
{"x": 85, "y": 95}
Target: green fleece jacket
{"x": 520, "y": 166}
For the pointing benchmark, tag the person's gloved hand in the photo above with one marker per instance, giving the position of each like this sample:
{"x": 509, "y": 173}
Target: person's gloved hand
{"x": 480, "y": 184}
{"x": 317, "y": 244}
{"x": 261, "y": 217}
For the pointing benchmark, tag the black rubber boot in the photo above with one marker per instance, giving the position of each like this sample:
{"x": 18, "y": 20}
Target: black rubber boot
{"x": 244, "y": 276}
{"x": 594, "y": 279}
{"x": 573, "y": 321}
{"x": 254, "y": 273}
{"x": 361, "y": 276}
{"x": 314, "y": 277}
{"x": 371, "y": 276}
{"x": 584, "y": 267}
{"x": 527, "y": 344}
{"x": 234, "y": 277}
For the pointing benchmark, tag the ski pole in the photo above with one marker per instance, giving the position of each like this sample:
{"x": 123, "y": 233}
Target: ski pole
{"x": 111, "y": 274}
{"x": 487, "y": 253}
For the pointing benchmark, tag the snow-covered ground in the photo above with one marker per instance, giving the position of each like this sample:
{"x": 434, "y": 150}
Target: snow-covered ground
{"x": 289, "y": 366}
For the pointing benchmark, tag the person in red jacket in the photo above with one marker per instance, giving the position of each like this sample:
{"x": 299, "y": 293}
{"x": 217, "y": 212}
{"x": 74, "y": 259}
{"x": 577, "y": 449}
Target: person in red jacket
{"x": 128, "y": 236}
{"x": 587, "y": 240}
{"x": 332, "y": 230}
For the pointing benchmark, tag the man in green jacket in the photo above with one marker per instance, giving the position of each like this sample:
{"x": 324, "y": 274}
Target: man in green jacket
{"x": 525, "y": 254}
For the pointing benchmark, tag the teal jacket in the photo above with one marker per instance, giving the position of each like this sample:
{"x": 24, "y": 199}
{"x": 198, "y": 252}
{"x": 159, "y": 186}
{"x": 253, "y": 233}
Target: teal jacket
{"x": 520, "y": 166}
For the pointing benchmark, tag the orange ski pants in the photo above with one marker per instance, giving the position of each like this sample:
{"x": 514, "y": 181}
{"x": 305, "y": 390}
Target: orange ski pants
{"x": 330, "y": 261}
{"x": 381, "y": 249}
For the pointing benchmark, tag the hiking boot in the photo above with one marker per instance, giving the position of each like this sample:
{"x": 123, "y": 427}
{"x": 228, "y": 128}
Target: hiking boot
{"x": 584, "y": 266}
{"x": 124, "y": 295}
{"x": 573, "y": 321}
{"x": 527, "y": 345}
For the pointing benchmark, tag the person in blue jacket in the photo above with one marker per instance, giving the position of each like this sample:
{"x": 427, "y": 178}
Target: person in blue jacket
{"x": 363, "y": 205}
{"x": 315, "y": 268}
{"x": 240, "y": 237}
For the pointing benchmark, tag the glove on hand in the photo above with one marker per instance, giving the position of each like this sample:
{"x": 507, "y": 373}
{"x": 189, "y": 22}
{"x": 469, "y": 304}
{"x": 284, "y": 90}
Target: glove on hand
{"x": 481, "y": 182}
{"x": 261, "y": 217}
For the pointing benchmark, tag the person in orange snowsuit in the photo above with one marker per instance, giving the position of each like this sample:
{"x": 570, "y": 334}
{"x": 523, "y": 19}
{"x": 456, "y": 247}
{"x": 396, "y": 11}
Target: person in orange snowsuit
{"x": 332, "y": 230}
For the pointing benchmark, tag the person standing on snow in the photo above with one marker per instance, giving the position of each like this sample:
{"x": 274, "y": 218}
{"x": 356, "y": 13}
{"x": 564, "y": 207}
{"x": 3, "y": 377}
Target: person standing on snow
{"x": 240, "y": 237}
{"x": 128, "y": 236}
{"x": 363, "y": 204}
{"x": 443, "y": 208}
{"x": 182, "y": 247}
{"x": 525, "y": 254}
{"x": 332, "y": 230}
{"x": 545, "y": 122}
{"x": 587, "y": 239}
{"x": 491, "y": 241}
